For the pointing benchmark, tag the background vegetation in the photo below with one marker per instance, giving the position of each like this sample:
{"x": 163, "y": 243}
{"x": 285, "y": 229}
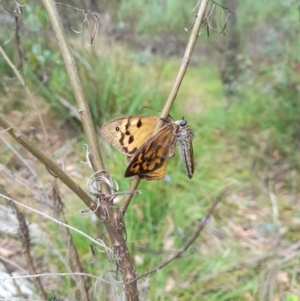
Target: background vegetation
{"x": 241, "y": 98}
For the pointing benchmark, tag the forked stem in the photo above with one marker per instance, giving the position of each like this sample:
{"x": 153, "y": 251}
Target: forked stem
{"x": 176, "y": 85}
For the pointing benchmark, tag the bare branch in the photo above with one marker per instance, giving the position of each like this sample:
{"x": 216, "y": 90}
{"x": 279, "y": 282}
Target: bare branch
{"x": 22, "y": 139}
{"x": 199, "y": 229}
{"x": 75, "y": 263}
{"x": 35, "y": 180}
{"x": 72, "y": 109}
{"x": 108, "y": 250}
{"x": 105, "y": 211}
{"x": 18, "y": 39}
{"x": 24, "y": 234}
{"x": 18, "y": 8}
{"x": 29, "y": 94}
{"x": 61, "y": 275}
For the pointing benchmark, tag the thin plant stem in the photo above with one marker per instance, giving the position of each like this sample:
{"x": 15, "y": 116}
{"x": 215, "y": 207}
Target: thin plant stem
{"x": 106, "y": 212}
{"x": 176, "y": 85}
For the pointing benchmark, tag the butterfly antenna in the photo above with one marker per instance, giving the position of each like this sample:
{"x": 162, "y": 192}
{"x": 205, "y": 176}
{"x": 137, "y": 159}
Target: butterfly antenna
{"x": 148, "y": 108}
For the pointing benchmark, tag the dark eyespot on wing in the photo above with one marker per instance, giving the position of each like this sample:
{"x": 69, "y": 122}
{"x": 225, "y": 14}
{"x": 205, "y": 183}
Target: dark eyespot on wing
{"x": 121, "y": 140}
{"x": 130, "y": 140}
{"x": 117, "y": 128}
{"x": 139, "y": 124}
{"x": 125, "y": 149}
{"x": 128, "y": 124}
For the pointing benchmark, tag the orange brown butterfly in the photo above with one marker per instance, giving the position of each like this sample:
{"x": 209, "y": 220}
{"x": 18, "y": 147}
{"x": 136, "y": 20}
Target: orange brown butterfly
{"x": 147, "y": 153}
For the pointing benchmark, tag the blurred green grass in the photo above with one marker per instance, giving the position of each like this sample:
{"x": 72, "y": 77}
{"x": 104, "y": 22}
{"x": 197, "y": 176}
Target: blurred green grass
{"x": 251, "y": 141}
{"x": 228, "y": 141}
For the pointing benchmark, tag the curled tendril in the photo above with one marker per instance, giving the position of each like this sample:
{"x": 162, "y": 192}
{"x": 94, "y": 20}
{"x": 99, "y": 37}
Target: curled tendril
{"x": 18, "y": 8}
{"x": 208, "y": 20}
{"x": 86, "y": 23}
{"x": 94, "y": 186}
{"x": 96, "y": 27}
{"x": 188, "y": 29}
{"x": 100, "y": 240}
{"x": 87, "y": 155}
{"x": 101, "y": 176}
{"x": 96, "y": 181}
{"x": 196, "y": 5}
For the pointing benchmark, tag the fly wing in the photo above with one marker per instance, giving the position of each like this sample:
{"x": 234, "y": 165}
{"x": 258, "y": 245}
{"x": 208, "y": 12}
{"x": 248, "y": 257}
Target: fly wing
{"x": 185, "y": 136}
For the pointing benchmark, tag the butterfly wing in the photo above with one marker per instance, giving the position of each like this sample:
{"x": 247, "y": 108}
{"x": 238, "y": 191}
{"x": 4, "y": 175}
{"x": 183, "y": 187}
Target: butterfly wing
{"x": 157, "y": 174}
{"x": 149, "y": 162}
{"x": 128, "y": 133}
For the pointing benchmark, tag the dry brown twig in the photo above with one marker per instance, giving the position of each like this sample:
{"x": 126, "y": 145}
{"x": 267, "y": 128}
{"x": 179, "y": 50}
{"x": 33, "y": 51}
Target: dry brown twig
{"x": 196, "y": 234}
{"x": 24, "y": 234}
{"x": 97, "y": 278}
{"x": 18, "y": 39}
{"x": 23, "y": 226}
{"x": 28, "y": 93}
{"x": 35, "y": 182}
{"x": 105, "y": 211}
{"x": 18, "y": 10}
{"x": 73, "y": 256}
{"x": 80, "y": 284}
{"x": 95, "y": 241}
